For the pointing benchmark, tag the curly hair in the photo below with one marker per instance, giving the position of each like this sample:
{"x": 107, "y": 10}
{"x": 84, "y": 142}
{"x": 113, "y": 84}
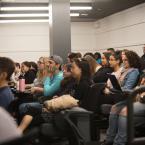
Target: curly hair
{"x": 133, "y": 59}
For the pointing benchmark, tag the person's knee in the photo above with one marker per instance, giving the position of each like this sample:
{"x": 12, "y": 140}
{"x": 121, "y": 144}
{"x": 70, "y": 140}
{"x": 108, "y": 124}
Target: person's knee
{"x": 22, "y": 108}
{"x": 113, "y": 109}
{"x": 123, "y": 111}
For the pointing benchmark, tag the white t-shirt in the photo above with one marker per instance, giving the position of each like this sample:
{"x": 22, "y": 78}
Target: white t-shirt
{"x": 117, "y": 75}
{"x": 8, "y": 127}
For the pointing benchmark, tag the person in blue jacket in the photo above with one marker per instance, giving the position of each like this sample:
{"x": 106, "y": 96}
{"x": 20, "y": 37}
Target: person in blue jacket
{"x": 51, "y": 86}
{"x": 51, "y": 83}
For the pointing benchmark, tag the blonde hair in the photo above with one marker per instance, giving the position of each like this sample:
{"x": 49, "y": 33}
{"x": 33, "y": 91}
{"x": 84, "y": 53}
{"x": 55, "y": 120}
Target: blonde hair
{"x": 43, "y": 73}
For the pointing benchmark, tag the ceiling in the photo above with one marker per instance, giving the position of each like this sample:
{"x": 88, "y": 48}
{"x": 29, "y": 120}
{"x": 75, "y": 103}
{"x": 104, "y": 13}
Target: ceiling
{"x": 100, "y": 8}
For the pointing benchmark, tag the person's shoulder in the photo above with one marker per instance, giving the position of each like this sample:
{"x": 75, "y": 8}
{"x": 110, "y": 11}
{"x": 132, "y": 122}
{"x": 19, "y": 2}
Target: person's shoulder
{"x": 85, "y": 82}
{"x": 135, "y": 70}
{"x": 8, "y": 127}
{"x": 59, "y": 75}
{"x": 7, "y": 92}
{"x": 107, "y": 69}
{"x": 4, "y": 89}
{"x": 31, "y": 72}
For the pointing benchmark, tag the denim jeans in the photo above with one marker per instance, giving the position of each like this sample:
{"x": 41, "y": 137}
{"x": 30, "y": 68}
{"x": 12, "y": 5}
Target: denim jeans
{"x": 30, "y": 108}
{"x": 117, "y": 131}
{"x": 114, "y": 120}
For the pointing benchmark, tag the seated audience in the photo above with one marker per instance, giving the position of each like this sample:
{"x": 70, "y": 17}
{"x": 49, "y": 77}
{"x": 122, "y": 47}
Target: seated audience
{"x": 68, "y": 83}
{"x": 16, "y": 74}
{"x": 128, "y": 81}
{"x": 42, "y": 65}
{"x": 71, "y": 56}
{"x": 115, "y": 63}
{"x": 34, "y": 67}
{"x": 27, "y": 73}
{"x": 90, "y": 54}
{"x": 7, "y": 68}
{"x": 79, "y": 55}
{"x": 98, "y": 57}
{"x": 51, "y": 83}
{"x": 111, "y": 50}
{"x": 101, "y": 75}
{"x": 81, "y": 73}
{"x": 94, "y": 67}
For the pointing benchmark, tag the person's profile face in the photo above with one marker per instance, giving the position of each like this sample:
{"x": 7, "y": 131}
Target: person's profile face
{"x": 113, "y": 62}
{"x": 104, "y": 60}
{"x": 125, "y": 62}
{"x": 66, "y": 73}
{"x": 76, "y": 71}
{"x": 17, "y": 69}
{"x": 24, "y": 68}
{"x": 40, "y": 64}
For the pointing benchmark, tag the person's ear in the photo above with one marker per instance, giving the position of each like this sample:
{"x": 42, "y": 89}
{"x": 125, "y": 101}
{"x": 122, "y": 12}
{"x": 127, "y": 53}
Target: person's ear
{"x": 57, "y": 66}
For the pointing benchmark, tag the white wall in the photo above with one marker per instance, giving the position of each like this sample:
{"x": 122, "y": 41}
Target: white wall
{"x": 125, "y": 29}
{"x": 82, "y": 37}
{"x": 29, "y": 41}
{"x": 24, "y": 41}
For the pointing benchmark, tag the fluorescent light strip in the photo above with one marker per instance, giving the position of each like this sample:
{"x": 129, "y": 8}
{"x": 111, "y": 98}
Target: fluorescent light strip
{"x": 42, "y": 8}
{"x": 81, "y": 8}
{"x": 23, "y": 21}
{"x": 24, "y": 8}
{"x": 74, "y": 14}
{"x": 22, "y": 15}
{"x": 31, "y": 15}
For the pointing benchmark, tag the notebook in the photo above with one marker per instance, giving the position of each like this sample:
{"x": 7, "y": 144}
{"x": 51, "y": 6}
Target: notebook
{"x": 114, "y": 82}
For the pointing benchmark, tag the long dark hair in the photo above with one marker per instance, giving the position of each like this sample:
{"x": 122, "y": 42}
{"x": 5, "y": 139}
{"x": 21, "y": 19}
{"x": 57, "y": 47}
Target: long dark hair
{"x": 85, "y": 68}
{"x": 67, "y": 79}
{"x": 117, "y": 56}
{"x": 107, "y": 56}
{"x": 133, "y": 59}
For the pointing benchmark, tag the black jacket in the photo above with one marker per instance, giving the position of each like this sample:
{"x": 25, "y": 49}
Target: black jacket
{"x": 101, "y": 75}
{"x": 29, "y": 76}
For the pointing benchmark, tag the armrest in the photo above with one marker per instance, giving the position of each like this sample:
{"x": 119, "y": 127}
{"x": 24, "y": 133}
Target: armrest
{"x": 114, "y": 91}
{"x": 76, "y": 111}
